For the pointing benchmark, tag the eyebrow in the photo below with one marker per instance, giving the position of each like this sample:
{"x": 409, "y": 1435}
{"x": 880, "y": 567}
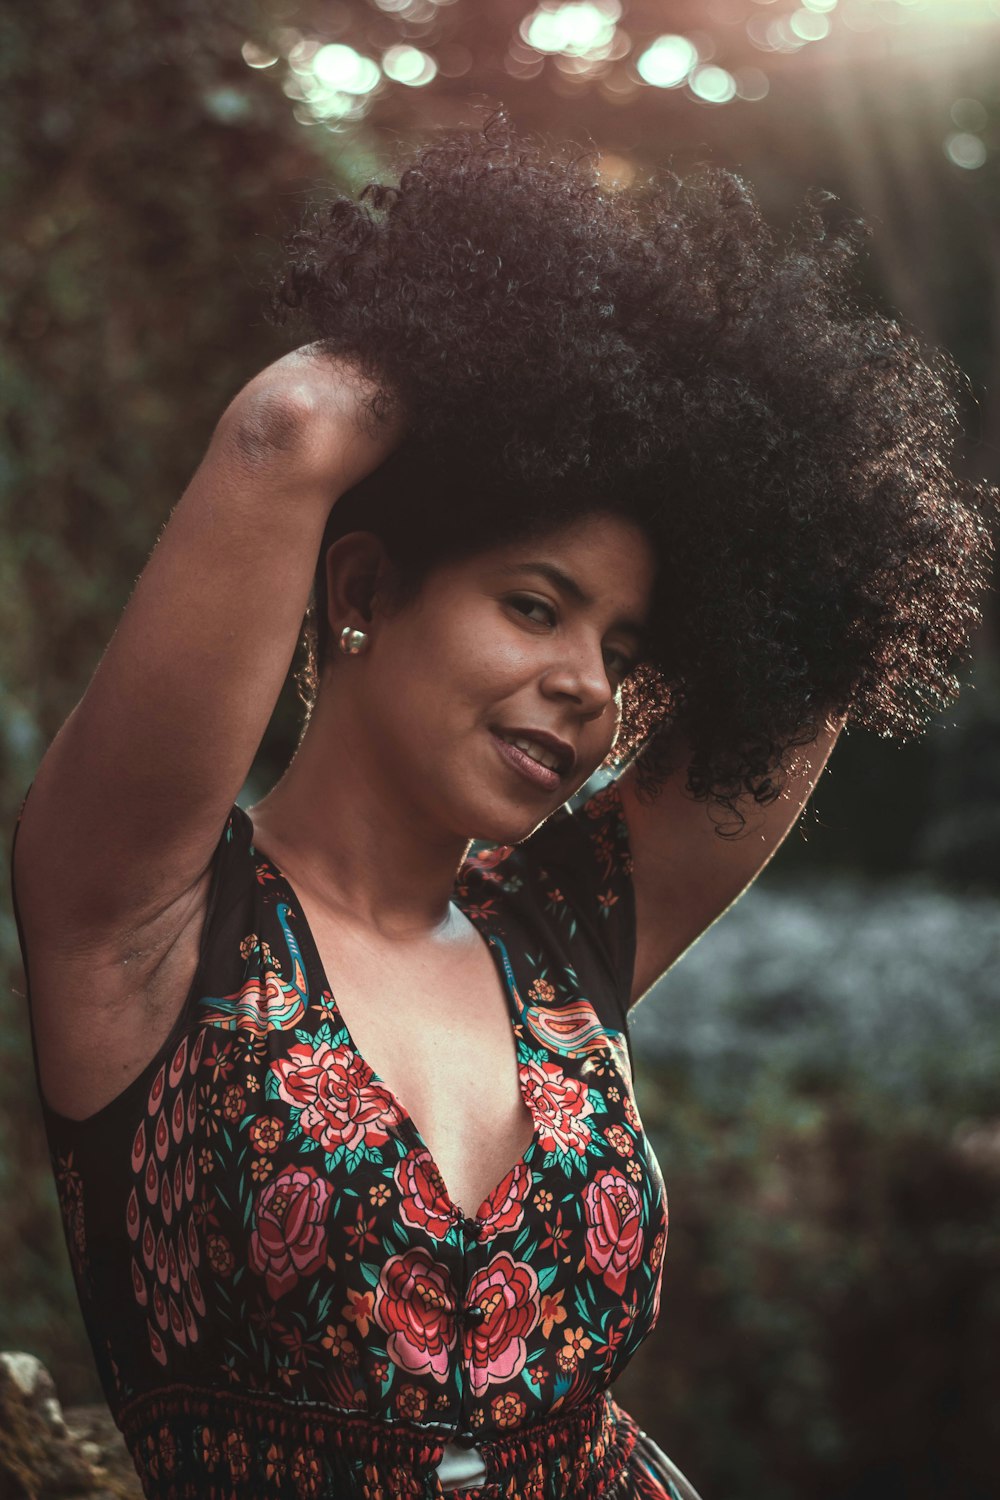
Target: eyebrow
{"x": 572, "y": 590}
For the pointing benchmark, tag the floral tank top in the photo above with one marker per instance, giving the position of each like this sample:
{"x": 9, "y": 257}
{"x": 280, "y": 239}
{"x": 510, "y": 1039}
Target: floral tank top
{"x": 281, "y": 1296}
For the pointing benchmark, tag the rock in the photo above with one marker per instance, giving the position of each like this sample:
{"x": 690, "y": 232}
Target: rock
{"x": 45, "y": 1455}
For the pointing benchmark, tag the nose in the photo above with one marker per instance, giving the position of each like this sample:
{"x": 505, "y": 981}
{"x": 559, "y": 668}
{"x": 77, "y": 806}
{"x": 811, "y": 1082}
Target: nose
{"x": 580, "y": 673}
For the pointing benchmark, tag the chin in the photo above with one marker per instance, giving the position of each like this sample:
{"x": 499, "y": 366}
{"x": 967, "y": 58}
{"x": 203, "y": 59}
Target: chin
{"x": 504, "y": 825}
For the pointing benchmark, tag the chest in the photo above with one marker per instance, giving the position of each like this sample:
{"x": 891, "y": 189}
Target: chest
{"x": 436, "y": 1028}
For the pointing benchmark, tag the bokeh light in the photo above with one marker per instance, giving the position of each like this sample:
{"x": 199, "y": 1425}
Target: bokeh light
{"x": 667, "y": 62}
{"x": 809, "y": 25}
{"x": 969, "y": 114}
{"x": 713, "y": 85}
{"x": 965, "y": 150}
{"x": 409, "y": 65}
{"x": 339, "y": 67}
{"x": 580, "y": 30}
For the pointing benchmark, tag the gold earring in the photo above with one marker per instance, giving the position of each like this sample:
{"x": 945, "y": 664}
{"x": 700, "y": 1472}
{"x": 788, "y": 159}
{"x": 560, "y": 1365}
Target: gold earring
{"x": 352, "y": 641}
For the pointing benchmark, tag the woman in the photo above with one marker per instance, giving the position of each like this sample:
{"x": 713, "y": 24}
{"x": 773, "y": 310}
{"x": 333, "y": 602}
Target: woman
{"x": 579, "y": 481}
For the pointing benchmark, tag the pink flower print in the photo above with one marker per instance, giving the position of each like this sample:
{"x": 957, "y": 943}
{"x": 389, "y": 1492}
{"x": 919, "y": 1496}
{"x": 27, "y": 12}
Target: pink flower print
{"x": 506, "y": 1291}
{"x": 424, "y": 1202}
{"x": 333, "y": 1088}
{"x": 505, "y": 1205}
{"x": 289, "y": 1239}
{"x": 560, "y": 1106}
{"x": 415, "y": 1307}
{"x": 614, "y": 1240}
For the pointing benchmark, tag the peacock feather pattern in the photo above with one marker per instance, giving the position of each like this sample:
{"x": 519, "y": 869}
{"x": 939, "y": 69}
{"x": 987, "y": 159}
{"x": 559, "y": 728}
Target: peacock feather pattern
{"x": 265, "y": 1001}
{"x": 159, "y": 1215}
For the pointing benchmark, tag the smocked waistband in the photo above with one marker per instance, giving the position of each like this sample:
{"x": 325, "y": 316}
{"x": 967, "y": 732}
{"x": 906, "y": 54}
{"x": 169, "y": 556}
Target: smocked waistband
{"x": 194, "y": 1444}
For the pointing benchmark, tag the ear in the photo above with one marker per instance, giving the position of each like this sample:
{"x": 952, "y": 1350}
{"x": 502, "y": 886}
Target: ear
{"x": 358, "y": 572}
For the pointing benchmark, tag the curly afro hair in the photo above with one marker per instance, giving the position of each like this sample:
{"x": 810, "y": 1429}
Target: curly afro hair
{"x": 656, "y": 351}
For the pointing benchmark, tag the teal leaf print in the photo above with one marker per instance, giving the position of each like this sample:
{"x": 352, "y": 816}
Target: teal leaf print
{"x": 545, "y": 1279}
{"x": 334, "y": 1158}
{"x": 271, "y": 1087}
{"x": 305, "y": 1037}
{"x": 370, "y": 1273}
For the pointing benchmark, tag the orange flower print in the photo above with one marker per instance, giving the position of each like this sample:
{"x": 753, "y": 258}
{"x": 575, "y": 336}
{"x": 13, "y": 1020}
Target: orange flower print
{"x": 206, "y": 1161}
{"x": 358, "y": 1310}
{"x": 305, "y": 1472}
{"x": 266, "y": 1133}
{"x": 577, "y": 1341}
{"x": 167, "y": 1444}
{"x": 208, "y": 1109}
{"x": 211, "y": 1453}
{"x": 275, "y": 1465}
{"x": 233, "y": 1103}
{"x": 534, "y": 1485}
{"x": 634, "y": 1170}
{"x": 543, "y": 1200}
{"x": 411, "y": 1402}
{"x": 507, "y": 1410}
{"x": 617, "y": 1137}
{"x": 220, "y": 1256}
{"x": 261, "y": 1168}
{"x": 607, "y": 901}
{"x": 237, "y": 1453}
{"x": 566, "y": 1360}
{"x": 552, "y": 1312}
{"x": 542, "y": 991}
{"x": 337, "y": 1340}
{"x": 379, "y": 1194}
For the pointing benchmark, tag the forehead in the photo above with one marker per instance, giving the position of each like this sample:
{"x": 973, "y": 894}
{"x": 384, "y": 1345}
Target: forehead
{"x": 600, "y": 561}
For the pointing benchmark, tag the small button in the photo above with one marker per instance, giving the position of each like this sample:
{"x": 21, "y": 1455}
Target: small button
{"x": 472, "y": 1316}
{"x": 464, "y": 1440}
{"x": 471, "y": 1228}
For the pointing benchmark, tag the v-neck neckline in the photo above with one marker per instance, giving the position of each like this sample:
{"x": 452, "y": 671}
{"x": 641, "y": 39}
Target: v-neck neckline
{"x": 404, "y": 1119}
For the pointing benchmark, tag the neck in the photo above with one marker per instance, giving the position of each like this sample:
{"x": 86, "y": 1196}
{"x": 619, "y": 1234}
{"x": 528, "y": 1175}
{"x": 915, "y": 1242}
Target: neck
{"x": 342, "y": 829}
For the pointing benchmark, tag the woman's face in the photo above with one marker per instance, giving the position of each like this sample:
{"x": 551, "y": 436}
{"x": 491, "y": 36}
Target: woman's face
{"x": 529, "y": 640}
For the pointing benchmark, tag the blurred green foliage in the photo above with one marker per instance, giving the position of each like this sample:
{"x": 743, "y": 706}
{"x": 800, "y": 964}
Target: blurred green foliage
{"x": 830, "y": 1299}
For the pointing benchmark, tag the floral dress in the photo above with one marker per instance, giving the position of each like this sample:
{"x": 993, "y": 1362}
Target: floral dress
{"x": 281, "y": 1297}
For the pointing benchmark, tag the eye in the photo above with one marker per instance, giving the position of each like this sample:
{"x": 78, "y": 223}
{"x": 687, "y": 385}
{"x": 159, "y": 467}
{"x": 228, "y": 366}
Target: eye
{"x": 625, "y": 662}
{"x": 524, "y": 604}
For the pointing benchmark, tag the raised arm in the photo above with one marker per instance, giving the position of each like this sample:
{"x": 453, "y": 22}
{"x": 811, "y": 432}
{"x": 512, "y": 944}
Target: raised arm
{"x": 130, "y": 798}
{"x": 685, "y": 874}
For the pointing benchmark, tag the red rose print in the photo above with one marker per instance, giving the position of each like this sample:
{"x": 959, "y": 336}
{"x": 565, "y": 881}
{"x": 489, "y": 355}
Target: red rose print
{"x": 333, "y": 1088}
{"x": 424, "y": 1200}
{"x": 289, "y": 1239}
{"x": 505, "y": 1205}
{"x": 614, "y": 1227}
{"x": 506, "y": 1291}
{"x": 415, "y": 1307}
{"x": 560, "y": 1107}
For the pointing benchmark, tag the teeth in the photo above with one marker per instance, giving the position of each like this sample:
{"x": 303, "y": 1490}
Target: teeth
{"x": 537, "y": 752}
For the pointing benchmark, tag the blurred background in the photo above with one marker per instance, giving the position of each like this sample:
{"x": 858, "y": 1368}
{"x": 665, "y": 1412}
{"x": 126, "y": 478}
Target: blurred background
{"x": 819, "y": 1075}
